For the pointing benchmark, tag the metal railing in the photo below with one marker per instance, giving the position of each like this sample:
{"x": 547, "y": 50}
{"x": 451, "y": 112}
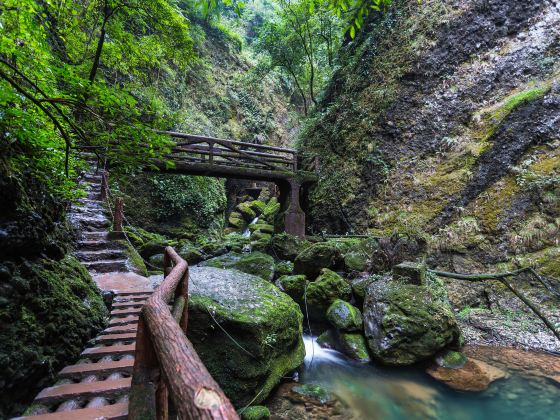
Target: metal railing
{"x": 167, "y": 367}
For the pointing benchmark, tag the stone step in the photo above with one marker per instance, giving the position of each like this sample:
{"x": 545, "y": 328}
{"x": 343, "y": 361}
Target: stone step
{"x": 127, "y": 311}
{"x": 108, "y": 412}
{"x": 100, "y": 235}
{"x": 103, "y": 254}
{"x": 113, "y": 338}
{"x": 102, "y": 369}
{"x": 106, "y": 266}
{"x": 98, "y": 245}
{"x": 121, "y": 329}
{"x": 108, "y": 389}
{"x": 116, "y": 350}
{"x": 89, "y": 201}
{"x": 128, "y": 304}
{"x": 92, "y": 221}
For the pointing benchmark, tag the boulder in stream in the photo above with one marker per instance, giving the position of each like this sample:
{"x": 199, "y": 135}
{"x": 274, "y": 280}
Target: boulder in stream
{"x": 474, "y": 376}
{"x": 246, "y": 331}
{"x": 405, "y": 323}
{"x": 322, "y": 292}
{"x": 318, "y": 256}
{"x": 344, "y": 316}
{"x": 256, "y": 263}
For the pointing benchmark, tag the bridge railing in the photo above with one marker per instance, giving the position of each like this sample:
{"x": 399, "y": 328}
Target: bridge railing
{"x": 210, "y": 150}
{"x": 166, "y": 365}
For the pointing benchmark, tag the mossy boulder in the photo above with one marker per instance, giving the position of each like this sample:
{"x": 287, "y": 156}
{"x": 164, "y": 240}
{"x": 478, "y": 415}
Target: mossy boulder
{"x": 405, "y": 323}
{"x": 322, "y": 292}
{"x": 261, "y": 227}
{"x": 255, "y": 412}
{"x": 354, "y": 346}
{"x": 257, "y": 206}
{"x": 236, "y": 220}
{"x": 360, "y": 284}
{"x": 246, "y": 211}
{"x": 293, "y": 286}
{"x": 327, "y": 339}
{"x": 321, "y": 255}
{"x": 283, "y": 268}
{"x": 411, "y": 272}
{"x": 256, "y": 263}
{"x": 355, "y": 261}
{"x": 190, "y": 253}
{"x": 451, "y": 359}
{"x": 156, "y": 261}
{"x": 344, "y": 316}
{"x": 286, "y": 247}
{"x": 264, "y": 331}
{"x": 271, "y": 210}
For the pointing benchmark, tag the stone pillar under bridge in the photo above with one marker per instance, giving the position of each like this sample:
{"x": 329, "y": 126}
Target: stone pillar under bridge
{"x": 294, "y": 216}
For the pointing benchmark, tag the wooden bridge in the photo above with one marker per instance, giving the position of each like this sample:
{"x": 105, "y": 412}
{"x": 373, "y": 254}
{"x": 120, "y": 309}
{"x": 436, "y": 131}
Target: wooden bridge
{"x": 210, "y": 156}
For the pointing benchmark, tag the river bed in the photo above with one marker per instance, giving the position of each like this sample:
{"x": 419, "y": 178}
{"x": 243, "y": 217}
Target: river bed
{"x": 531, "y": 391}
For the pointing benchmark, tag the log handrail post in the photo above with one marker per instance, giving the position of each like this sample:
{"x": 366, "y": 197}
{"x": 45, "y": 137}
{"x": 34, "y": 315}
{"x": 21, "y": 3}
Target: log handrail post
{"x": 211, "y": 149}
{"x": 118, "y": 216}
{"x": 167, "y": 367}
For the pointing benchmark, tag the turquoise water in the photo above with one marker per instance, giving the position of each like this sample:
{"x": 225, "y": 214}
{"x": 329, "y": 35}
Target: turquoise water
{"x": 374, "y": 392}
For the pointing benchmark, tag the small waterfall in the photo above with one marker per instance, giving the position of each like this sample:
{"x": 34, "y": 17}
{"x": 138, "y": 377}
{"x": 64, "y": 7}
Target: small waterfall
{"x": 247, "y": 232}
{"x": 314, "y": 353}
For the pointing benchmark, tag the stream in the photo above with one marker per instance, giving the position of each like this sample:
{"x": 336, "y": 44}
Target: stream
{"x": 373, "y": 392}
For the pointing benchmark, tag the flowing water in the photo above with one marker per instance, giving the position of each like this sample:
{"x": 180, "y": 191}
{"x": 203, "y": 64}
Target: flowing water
{"x": 373, "y": 392}
{"x": 247, "y": 232}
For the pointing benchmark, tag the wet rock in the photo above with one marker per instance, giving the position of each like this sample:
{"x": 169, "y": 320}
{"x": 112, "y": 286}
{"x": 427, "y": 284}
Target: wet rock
{"x": 344, "y": 316}
{"x": 322, "y": 292}
{"x": 314, "y": 392}
{"x": 246, "y": 211}
{"x": 318, "y": 256}
{"x": 156, "y": 260}
{"x": 236, "y": 220}
{"x": 261, "y": 227}
{"x": 355, "y": 261}
{"x": 405, "y": 323}
{"x": 190, "y": 253}
{"x": 256, "y": 263}
{"x": 328, "y": 340}
{"x": 360, "y": 284}
{"x": 293, "y": 286}
{"x": 354, "y": 346}
{"x": 451, "y": 360}
{"x": 286, "y": 247}
{"x": 475, "y": 375}
{"x": 264, "y": 331}
{"x": 255, "y": 412}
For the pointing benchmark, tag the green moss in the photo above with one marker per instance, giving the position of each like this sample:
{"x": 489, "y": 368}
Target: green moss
{"x": 354, "y": 346}
{"x": 344, "y": 316}
{"x": 293, "y": 286}
{"x": 255, "y": 412}
{"x": 315, "y": 392}
{"x": 135, "y": 258}
{"x": 326, "y": 289}
{"x": 256, "y": 263}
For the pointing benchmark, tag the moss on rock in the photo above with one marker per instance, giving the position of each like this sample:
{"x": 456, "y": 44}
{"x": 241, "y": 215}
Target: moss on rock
{"x": 255, "y": 412}
{"x": 286, "y": 247}
{"x": 264, "y": 331}
{"x": 322, "y": 292}
{"x": 344, "y": 316}
{"x": 354, "y": 346}
{"x": 293, "y": 286}
{"x": 321, "y": 255}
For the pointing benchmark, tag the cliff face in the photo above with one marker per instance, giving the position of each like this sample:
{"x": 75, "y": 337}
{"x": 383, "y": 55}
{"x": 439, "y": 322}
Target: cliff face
{"x": 445, "y": 122}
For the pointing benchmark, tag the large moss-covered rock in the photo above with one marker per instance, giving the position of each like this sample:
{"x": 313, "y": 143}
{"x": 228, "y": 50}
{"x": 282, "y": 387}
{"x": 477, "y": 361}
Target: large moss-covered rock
{"x": 344, "y": 316}
{"x": 283, "y": 268}
{"x": 256, "y": 263}
{"x": 286, "y": 247}
{"x": 236, "y": 220}
{"x": 321, "y": 293}
{"x": 255, "y": 412}
{"x": 246, "y": 211}
{"x": 321, "y": 255}
{"x": 294, "y": 286}
{"x": 265, "y": 323}
{"x": 190, "y": 253}
{"x": 406, "y": 323}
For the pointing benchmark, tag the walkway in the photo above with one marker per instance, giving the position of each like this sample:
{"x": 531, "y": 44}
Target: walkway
{"x": 98, "y": 385}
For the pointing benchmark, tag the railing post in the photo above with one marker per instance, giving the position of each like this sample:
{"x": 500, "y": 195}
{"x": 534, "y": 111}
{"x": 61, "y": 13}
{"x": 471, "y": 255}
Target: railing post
{"x": 184, "y": 292}
{"x": 104, "y": 185}
{"x": 118, "y": 217}
{"x": 211, "y": 147}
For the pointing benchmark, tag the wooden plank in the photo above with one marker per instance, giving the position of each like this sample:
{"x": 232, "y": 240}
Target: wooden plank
{"x": 60, "y": 393}
{"x": 134, "y": 292}
{"x": 116, "y": 350}
{"x": 126, "y": 311}
{"x": 83, "y": 370}
{"x": 121, "y": 329}
{"x": 109, "y": 412}
{"x": 128, "y": 304}
{"x": 113, "y": 338}
{"x": 123, "y": 321}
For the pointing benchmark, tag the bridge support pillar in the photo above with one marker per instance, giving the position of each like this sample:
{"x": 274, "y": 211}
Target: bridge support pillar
{"x": 294, "y": 219}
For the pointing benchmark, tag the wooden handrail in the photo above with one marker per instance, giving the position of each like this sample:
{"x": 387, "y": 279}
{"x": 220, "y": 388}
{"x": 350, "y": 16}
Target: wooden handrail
{"x": 166, "y": 364}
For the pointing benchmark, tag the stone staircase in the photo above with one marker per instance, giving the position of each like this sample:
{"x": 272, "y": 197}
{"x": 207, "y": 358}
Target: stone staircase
{"x": 96, "y": 250}
{"x": 97, "y": 386}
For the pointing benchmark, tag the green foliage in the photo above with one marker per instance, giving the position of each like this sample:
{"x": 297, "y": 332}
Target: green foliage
{"x": 201, "y": 196}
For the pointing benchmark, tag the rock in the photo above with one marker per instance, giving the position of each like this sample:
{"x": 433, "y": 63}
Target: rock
{"x": 261, "y": 227}
{"x": 271, "y": 210}
{"x": 265, "y": 323}
{"x": 327, "y": 340}
{"x": 246, "y": 211}
{"x": 318, "y": 256}
{"x": 255, "y": 412}
{"x": 321, "y": 293}
{"x": 236, "y": 220}
{"x": 354, "y": 346}
{"x": 451, "y": 359}
{"x": 355, "y": 261}
{"x": 153, "y": 247}
{"x": 283, "y": 268}
{"x": 156, "y": 261}
{"x": 405, "y": 323}
{"x": 344, "y": 317}
{"x": 286, "y": 247}
{"x": 293, "y": 286}
{"x": 190, "y": 253}
{"x": 359, "y": 285}
{"x": 258, "y": 206}
{"x": 474, "y": 376}
{"x": 256, "y": 263}
{"x": 413, "y": 273}
{"x": 261, "y": 236}
{"x": 315, "y": 392}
